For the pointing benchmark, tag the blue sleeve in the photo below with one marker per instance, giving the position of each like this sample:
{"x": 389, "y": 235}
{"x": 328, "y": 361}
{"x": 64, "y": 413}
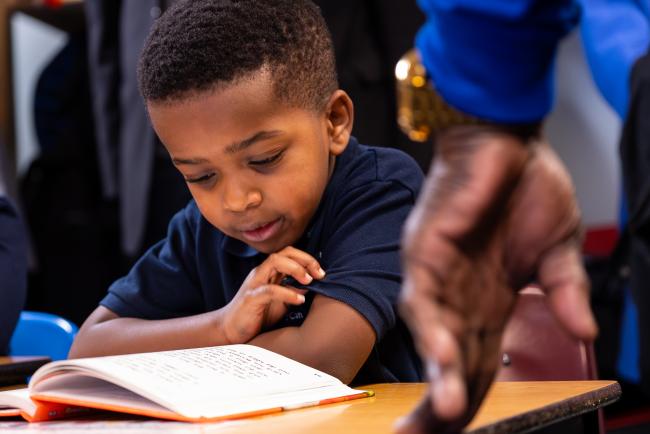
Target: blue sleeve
{"x": 13, "y": 270}
{"x": 494, "y": 59}
{"x": 163, "y": 283}
{"x": 614, "y": 34}
{"x": 361, "y": 253}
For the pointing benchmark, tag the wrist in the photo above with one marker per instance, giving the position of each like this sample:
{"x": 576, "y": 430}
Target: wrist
{"x": 218, "y": 327}
{"x": 465, "y": 138}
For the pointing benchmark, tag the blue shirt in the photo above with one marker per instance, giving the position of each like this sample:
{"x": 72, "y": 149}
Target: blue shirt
{"x": 354, "y": 234}
{"x": 495, "y": 58}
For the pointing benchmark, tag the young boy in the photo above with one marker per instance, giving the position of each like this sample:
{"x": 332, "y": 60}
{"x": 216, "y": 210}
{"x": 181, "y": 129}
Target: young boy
{"x": 291, "y": 241}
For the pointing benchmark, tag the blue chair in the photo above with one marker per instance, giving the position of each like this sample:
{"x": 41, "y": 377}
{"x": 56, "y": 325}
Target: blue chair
{"x": 42, "y": 334}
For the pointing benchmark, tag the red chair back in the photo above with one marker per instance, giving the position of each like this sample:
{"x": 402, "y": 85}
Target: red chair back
{"x": 535, "y": 347}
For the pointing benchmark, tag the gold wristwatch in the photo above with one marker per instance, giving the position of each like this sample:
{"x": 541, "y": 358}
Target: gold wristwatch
{"x": 421, "y": 111}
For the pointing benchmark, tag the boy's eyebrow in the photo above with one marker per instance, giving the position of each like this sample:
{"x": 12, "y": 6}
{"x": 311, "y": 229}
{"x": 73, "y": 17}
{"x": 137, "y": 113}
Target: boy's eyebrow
{"x": 231, "y": 149}
{"x": 262, "y": 135}
{"x": 179, "y": 161}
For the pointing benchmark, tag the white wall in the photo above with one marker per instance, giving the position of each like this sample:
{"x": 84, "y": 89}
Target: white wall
{"x": 585, "y": 130}
{"x": 33, "y": 45}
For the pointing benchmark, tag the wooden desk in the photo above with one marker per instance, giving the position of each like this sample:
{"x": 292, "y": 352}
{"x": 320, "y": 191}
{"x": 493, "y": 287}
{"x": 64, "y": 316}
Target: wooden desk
{"x": 6, "y": 360}
{"x": 508, "y": 408}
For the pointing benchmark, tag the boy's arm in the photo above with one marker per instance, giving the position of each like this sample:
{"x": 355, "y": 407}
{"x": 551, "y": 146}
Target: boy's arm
{"x": 334, "y": 338}
{"x": 338, "y": 347}
{"x": 106, "y": 333}
{"x": 354, "y": 305}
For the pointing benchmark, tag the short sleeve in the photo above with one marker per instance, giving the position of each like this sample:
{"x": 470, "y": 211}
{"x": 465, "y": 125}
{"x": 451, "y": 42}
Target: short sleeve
{"x": 163, "y": 283}
{"x": 360, "y": 250}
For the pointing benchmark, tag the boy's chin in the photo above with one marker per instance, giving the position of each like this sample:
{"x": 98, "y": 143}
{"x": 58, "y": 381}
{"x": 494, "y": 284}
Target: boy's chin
{"x": 270, "y": 246}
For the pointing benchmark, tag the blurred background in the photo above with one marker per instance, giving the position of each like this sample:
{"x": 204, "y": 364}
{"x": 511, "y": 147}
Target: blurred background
{"x": 96, "y": 189}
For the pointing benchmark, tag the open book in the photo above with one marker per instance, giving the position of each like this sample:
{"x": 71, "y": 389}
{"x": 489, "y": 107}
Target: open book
{"x": 195, "y": 385}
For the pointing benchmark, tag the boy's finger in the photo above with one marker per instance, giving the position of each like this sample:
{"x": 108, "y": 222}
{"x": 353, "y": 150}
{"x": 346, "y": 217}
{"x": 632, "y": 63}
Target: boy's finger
{"x": 277, "y": 266}
{"x": 265, "y": 294}
{"x": 298, "y": 290}
{"x": 310, "y": 263}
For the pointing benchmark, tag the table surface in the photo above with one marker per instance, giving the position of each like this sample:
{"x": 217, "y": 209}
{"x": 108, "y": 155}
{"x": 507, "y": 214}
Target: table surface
{"x": 5, "y": 360}
{"x": 509, "y": 407}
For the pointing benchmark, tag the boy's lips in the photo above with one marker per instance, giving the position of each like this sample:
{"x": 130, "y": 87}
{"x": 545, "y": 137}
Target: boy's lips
{"x": 262, "y": 232}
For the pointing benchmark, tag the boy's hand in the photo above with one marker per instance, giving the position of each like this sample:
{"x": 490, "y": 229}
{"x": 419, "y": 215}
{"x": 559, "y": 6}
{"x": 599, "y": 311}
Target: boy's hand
{"x": 494, "y": 214}
{"x": 262, "y": 300}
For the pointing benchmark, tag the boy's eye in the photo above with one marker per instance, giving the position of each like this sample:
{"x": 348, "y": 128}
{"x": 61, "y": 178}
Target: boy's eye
{"x": 200, "y": 179}
{"x": 267, "y": 161}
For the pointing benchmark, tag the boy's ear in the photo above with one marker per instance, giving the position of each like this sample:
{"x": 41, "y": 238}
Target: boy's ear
{"x": 340, "y": 117}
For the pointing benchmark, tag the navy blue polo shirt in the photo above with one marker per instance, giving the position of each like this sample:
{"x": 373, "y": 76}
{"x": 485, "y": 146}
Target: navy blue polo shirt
{"x": 354, "y": 234}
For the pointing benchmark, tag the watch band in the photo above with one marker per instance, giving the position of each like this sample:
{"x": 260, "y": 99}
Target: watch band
{"x": 421, "y": 110}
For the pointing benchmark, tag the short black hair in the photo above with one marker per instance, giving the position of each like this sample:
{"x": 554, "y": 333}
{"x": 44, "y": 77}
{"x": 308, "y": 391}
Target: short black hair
{"x": 198, "y": 45}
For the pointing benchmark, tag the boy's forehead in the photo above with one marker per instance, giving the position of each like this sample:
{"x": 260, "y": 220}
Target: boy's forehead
{"x": 233, "y": 117}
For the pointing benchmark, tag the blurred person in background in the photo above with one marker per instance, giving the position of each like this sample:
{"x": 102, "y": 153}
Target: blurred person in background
{"x": 13, "y": 261}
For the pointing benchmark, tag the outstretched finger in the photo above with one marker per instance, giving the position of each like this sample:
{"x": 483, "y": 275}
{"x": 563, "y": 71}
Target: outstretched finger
{"x": 563, "y": 277}
{"x": 435, "y": 342}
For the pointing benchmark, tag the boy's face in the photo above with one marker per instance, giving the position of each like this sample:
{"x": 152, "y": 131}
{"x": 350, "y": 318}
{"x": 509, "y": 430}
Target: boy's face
{"x": 256, "y": 168}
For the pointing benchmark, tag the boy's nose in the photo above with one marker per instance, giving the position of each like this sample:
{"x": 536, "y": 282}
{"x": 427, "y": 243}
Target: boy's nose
{"x": 239, "y": 198}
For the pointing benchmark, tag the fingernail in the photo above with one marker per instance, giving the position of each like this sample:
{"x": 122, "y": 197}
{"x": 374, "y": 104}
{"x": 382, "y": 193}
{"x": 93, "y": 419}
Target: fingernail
{"x": 301, "y": 298}
{"x": 321, "y": 272}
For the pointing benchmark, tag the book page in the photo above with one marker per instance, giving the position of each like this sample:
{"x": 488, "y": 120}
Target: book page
{"x": 89, "y": 391}
{"x": 286, "y": 401}
{"x": 182, "y": 379}
{"x": 17, "y": 398}
{"x": 81, "y": 390}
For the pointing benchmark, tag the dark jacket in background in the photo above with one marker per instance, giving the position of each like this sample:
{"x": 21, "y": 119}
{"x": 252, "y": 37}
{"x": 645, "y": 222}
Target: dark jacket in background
{"x": 13, "y": 271}
{"x": 129, "y": 153}
{"x": 13, "y": 263}
{"x": 635, "y": 157}
{"x": 369, "y": 38}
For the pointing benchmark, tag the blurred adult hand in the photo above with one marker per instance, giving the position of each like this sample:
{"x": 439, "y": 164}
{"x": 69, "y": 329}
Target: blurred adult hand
{"x": 497, "y": 212}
